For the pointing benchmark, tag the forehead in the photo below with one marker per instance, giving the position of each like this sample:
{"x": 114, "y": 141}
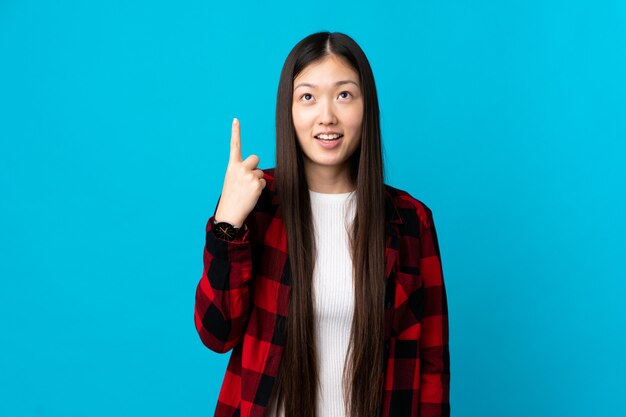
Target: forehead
{"x": 326, "y": 72}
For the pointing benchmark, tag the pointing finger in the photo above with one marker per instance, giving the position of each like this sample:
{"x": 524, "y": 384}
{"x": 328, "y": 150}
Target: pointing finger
{"x": 235, "y": 141}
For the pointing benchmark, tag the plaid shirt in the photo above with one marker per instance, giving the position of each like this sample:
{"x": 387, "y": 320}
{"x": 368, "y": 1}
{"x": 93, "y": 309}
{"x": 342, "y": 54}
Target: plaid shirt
{"x": 242, "y": 303}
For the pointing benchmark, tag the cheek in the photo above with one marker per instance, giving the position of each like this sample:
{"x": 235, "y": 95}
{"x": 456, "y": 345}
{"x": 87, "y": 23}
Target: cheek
{"x": 298, "y": 118}
{"x": 303, "y": 121}
{"x": 299, "y": 127}
{"x": 354, "y": 117}
{"x": 353, "y": 120}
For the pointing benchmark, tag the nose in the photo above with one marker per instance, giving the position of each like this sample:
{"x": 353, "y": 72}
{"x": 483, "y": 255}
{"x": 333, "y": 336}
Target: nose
{"x": 327, "y": 113}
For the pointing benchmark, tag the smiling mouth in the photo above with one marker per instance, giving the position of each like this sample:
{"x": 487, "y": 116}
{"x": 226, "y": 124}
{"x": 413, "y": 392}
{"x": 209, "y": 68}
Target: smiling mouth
{"x": 328, "y": 140}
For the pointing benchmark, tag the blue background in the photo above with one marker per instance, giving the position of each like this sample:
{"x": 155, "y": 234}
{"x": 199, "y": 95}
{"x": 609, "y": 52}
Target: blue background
{"x": 506, "y": 118}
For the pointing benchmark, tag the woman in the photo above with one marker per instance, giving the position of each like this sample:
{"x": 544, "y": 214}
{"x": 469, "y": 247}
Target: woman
{"x": 317, "y": 261}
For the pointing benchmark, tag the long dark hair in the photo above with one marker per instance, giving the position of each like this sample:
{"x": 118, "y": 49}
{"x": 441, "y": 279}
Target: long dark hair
{"x": 297, "y": 382}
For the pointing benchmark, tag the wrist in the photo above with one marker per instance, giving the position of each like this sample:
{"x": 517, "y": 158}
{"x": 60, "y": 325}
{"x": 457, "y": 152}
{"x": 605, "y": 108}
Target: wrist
{"x": 236, "y": 223}
{"x": 227, "y": 231}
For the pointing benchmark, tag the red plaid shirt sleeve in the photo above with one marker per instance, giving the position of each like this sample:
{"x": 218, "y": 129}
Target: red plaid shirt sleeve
{"x": 222, "y": 304}
{"x": 434, "y": 352}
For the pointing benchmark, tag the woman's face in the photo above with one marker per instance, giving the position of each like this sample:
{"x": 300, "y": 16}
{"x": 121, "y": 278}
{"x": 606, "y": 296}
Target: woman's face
{"x": 327, "y": 99}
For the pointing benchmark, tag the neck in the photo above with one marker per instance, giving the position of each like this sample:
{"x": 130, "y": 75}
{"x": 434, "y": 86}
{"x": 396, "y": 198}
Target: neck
{"x": 329, "y": 179}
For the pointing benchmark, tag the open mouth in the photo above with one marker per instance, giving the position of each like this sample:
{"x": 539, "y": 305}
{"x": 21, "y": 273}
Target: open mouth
{"x": 328, "y": 138}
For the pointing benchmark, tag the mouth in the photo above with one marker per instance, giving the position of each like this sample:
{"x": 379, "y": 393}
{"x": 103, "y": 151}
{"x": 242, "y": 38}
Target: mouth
{"x": 328, "y": 138}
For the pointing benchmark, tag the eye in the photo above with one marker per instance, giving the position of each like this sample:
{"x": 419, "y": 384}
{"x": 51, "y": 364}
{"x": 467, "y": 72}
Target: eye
{"x": 345, "y": 92}
{"x": 304, "y": 95}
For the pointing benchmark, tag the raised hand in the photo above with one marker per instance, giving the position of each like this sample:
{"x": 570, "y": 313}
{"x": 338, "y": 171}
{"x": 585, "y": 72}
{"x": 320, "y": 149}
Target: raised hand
{"x": 243, "y": 183}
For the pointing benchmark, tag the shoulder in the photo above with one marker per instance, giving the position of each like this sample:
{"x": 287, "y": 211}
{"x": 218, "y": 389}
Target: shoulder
{"x": 269, "y": 175}
{"x": 269, "y": 192}
{"x": 404, "y": 203}
{"x": 408, "y": 205}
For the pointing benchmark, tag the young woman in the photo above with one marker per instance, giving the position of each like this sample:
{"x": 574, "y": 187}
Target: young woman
{"x": 324, "y": 281}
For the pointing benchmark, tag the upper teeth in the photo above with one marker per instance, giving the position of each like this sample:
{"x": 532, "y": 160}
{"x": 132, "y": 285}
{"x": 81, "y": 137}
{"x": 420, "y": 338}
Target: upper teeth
{"x": 333, "y": 136}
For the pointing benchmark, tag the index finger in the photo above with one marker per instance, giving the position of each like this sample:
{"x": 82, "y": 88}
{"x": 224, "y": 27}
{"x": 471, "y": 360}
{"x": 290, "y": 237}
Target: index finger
{"x": 235, "y": 141}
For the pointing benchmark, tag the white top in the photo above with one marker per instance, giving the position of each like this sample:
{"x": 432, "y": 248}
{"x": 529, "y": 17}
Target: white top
{"x": 333, "y": 297}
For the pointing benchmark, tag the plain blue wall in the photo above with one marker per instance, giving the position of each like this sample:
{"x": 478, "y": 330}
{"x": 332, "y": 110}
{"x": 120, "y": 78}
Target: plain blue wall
{"x": 506, "y": 118}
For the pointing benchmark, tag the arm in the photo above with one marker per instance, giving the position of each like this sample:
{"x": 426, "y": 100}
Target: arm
{"x": 434, "y": 353}
{"x": 222, "y": 296}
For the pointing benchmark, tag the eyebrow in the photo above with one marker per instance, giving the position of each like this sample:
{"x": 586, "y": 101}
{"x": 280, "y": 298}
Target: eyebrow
{"x": 336, "y": 84}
